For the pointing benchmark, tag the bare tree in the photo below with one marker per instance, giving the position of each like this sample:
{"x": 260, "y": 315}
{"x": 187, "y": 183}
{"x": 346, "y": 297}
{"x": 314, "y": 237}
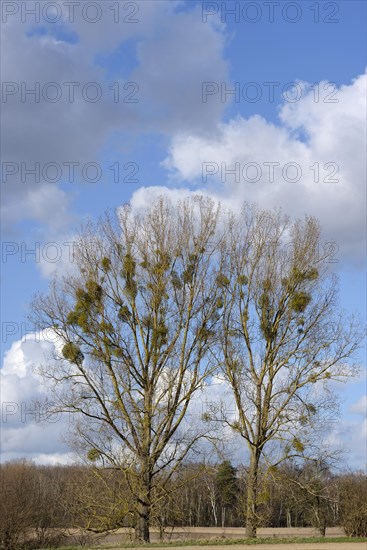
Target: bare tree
{"x": 309, "y": 491}
{"x": 30, "y": 512}
{"x": 353, "y": 503}
{"x": 136, "y": 325}
{"x": 283, "y": 337}
{"x": 18, "y": 489}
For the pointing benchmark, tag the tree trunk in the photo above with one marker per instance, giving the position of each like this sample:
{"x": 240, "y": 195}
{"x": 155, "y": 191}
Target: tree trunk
{"x": 142, "y": 524}
{"x": 289, "y": 518}
{"x": 320, "y": 519}
{"x": 198, "y": 511}
{"x": 213, "y": 503}
{"x": 143, "y": 509}
{"x": 252, "y": 489}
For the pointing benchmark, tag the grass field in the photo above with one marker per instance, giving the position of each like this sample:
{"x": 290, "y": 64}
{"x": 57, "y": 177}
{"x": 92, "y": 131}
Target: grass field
{"x": 263, "y": 545}
{"x": 210, "y": 538}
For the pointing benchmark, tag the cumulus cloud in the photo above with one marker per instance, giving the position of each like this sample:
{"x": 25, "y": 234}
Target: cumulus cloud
{"x": 27, "y": 432}
{"x": 144, "y": 196}
{"x": 311, "y": 162}
{"x": 24, "y": 430}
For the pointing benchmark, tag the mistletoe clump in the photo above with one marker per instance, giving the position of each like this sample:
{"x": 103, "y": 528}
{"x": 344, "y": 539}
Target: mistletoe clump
{"x": 71, "y": 352}
{"x": 87, "y": 300}
{"x": 299, "y": 301}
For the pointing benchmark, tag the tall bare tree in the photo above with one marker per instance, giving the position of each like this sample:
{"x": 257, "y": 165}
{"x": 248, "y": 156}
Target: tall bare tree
{"x": 136, "y": 324}
{"x": 283, "y": 337}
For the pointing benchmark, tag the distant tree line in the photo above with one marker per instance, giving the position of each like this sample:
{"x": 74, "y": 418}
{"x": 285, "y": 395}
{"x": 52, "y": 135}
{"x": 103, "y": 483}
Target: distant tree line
{"x": 39, "y": 503}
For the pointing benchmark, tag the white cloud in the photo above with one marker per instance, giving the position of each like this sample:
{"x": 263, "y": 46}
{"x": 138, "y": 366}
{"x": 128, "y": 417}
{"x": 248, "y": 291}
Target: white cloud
{"x": 23, "y": 432}
{"x": 360, "y": 407}
{"x": 351, "y": 436}
{"x": 145, "y": 196}
{"x": 349, "y": 432}
{"x": 332, "y": 135}
{"x": 57, "y": 255}
{"x": 54, "y": 459}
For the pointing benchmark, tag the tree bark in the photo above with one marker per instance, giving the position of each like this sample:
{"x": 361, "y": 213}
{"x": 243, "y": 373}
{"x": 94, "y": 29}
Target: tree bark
{"x": 143, "y": 510}
{"x": 142, "y": 524}
{"x": 252, "y": 490}
{"x": 289, "y": 518}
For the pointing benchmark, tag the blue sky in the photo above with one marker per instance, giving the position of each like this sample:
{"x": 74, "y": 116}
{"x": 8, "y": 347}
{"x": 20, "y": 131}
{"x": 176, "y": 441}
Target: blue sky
{"x": 151, "y": 62}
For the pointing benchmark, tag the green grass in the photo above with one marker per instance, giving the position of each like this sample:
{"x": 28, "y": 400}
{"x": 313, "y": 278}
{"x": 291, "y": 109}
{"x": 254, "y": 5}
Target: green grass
{"x": 226, "y": 542}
